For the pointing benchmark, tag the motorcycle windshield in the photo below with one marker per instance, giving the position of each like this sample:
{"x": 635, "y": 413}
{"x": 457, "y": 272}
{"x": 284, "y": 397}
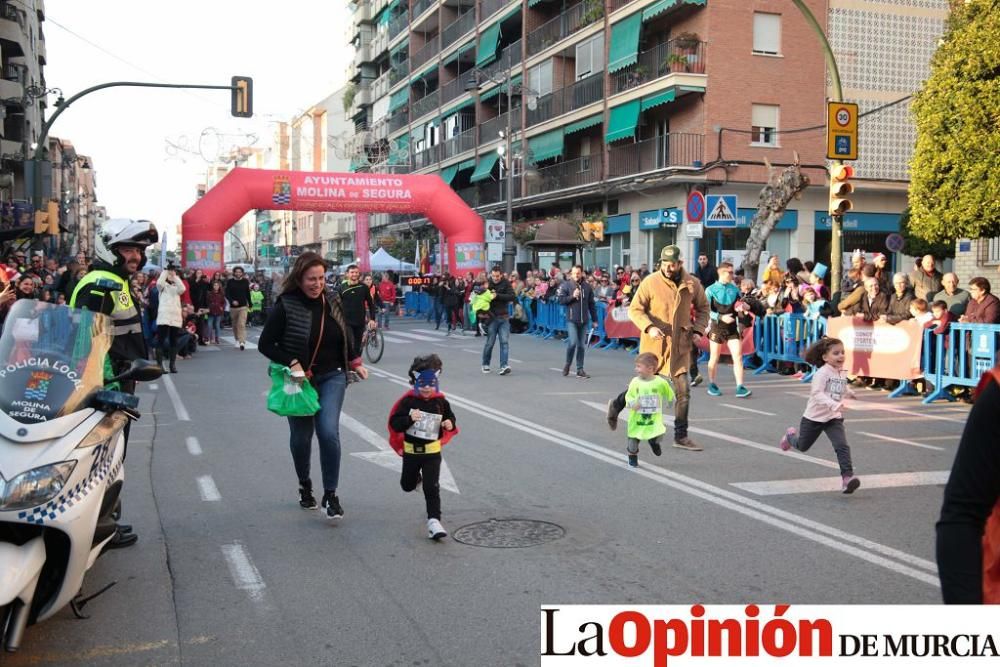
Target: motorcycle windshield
{"x": 51, "y": 360}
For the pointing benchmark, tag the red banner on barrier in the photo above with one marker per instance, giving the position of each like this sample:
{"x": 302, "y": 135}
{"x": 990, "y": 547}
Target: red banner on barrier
{"x": 747, "y": 343}
{"x": 878, "y": 349}
{"x": 618, "y": 325}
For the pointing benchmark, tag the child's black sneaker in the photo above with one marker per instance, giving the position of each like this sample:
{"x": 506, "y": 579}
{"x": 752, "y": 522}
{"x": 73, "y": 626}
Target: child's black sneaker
{"x": 655, "y": 446}
{"x": 633, "y": 460}
{"x": 307, "y": 500}
{"x": 332, "y": 505}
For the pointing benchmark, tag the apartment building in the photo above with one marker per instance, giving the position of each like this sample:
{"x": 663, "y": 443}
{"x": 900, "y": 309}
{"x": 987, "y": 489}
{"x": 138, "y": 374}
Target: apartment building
{"x": 74, "y": 187}
{"x": 621, "y": 107}
{"x": 22, "y": 90}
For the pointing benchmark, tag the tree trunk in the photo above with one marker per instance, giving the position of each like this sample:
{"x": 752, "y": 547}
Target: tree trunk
{"x": 781, "y": 188}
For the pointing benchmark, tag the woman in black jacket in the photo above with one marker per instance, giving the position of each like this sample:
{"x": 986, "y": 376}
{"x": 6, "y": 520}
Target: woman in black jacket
{"x": 452, "y": 296}
{"x": 307, "y": 332}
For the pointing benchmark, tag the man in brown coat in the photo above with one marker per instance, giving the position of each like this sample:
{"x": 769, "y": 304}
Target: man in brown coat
{"x": 662, "y": 309}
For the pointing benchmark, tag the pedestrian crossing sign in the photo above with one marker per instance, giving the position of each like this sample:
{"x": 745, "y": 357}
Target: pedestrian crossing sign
{"x": 721, "y": 211}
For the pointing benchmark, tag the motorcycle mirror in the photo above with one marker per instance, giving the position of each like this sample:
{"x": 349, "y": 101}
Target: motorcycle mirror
{"x": 141, "y": 370}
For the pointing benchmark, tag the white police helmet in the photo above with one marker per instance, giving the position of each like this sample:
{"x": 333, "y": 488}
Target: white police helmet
{"x": 123, "y": 232}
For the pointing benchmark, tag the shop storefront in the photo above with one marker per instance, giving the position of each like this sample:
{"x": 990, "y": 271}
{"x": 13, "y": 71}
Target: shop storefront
{"x": 861, "y": 231}
{"x": 660, "y": 225}
{"x": 715, "y": 241}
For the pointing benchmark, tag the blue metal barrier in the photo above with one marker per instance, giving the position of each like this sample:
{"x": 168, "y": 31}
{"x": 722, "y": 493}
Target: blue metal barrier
{"x": 960, "y": 357}
{"x": 785, "y": 338}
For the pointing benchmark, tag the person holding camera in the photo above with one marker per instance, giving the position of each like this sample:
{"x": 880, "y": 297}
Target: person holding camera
{"x": 169, "y": 316}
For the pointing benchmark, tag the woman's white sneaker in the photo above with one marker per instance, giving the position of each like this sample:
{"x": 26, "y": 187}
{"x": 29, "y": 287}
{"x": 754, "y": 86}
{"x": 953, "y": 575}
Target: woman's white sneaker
{"x": 435, "y": 530}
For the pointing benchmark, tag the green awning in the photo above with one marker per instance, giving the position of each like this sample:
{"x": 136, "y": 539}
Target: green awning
{"x": 584, "y": 124}
{"x": 461, "y": 51}
{"x": 546, "y": 146}
{"x": 485, "y": 167}
{"x": 624, "y": 48}
{"x": 399, "y": 99}
{"x": 532, "y": 3}
{"x": 402, "y": 46}
{"x": 656, "y": 99}
{"x": 489, "y": 44}
{"x": 468, "y": 164}
{"x": 658, "y": 8}
{"x": 456, "y": 109}
{"x": 623, "y": 120}
{"x": 502, "y": 88}
{"x": 448, "y": 173}
{"x": 430, "y": 70}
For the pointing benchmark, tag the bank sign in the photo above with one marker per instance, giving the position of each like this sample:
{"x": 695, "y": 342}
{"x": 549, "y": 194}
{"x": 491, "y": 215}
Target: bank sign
{"x": 660, "y": 217}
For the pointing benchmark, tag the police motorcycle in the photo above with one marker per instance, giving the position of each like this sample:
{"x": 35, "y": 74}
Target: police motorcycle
{"x": 62, "y": 446}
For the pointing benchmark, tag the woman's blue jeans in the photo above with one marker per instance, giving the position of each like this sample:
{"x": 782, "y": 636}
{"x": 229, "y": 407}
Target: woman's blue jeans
{"x": 215, "y": 326}
{"x": 576, "y": 342}
{"x": 326, "y": 424}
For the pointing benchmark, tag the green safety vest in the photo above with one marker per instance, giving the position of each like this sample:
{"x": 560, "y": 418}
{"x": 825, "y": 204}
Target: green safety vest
{"x": 256, "y": 301}
{"x": 125, "y": 317}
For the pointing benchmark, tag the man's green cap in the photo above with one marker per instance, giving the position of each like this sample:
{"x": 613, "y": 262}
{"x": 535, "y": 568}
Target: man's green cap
{"x": 670, "y": 253}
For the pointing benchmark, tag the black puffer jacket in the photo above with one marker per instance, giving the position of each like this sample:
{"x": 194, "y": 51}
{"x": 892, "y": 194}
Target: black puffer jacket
{"x": 899, "y": 307}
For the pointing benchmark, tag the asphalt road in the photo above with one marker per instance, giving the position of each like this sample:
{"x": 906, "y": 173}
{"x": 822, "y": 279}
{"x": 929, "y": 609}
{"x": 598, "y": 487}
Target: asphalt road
{"x": 230, "y": 571}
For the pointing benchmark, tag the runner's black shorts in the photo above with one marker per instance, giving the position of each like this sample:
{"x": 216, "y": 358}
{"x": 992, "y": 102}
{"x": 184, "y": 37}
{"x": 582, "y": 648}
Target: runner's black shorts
{"x": 720, "y": 332}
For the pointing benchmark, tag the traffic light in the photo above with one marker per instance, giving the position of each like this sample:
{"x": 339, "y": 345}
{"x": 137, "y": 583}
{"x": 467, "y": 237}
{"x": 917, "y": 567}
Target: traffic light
{"x": 41, "y": 222}
{"x": 840, "y": 188}
{"x": 242, "y": 97}
{"x": 585, "y": 231}
{"x": 53, "y": 217}
{"x": 598, "y": 230}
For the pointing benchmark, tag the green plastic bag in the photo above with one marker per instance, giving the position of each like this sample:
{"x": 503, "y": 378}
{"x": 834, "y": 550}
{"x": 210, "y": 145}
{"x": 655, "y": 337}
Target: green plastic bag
{"x": 289, "y": 398}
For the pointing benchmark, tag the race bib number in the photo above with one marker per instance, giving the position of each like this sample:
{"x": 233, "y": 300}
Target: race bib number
{"x": 649, "y": 405}
{"x": 427, "y": 427}
{"x": 835, "y": 388}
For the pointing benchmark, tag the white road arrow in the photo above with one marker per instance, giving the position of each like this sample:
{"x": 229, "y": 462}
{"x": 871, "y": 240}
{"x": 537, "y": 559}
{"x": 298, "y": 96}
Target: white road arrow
{"x": 385, "y": 456}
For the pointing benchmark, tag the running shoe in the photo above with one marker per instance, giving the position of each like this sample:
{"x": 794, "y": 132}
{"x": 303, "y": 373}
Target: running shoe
{"x": 850, "y": 484}
{"x": 713, "y": 389}
{"x": 435, "y": 531}
{"x": 742, "y": 391}
{"x": 332, "y": 505}
{"x": 786, "y": 440}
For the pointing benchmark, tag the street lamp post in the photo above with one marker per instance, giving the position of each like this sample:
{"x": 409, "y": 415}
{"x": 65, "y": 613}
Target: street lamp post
{"x": 476, "y": 78}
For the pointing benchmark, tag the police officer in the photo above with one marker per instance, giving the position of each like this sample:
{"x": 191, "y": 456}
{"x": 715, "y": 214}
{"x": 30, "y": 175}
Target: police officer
{"x": 120, "y": 252}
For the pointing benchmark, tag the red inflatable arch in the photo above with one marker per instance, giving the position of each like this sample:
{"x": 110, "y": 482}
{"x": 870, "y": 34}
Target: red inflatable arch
{"x": 242, "y": 190}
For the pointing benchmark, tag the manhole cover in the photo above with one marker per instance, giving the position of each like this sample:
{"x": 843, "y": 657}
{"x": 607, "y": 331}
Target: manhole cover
{"x": 508, "y": 533}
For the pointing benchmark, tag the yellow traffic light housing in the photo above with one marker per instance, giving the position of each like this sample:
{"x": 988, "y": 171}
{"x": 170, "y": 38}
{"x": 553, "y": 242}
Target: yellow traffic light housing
{"x": 585, "y": 231}
{"x": 53, "y": 217}
{"x": 242, "y": 97}
{"x": 598, "y": 230}
{"x": 41, "y": 222}
{"x": 841, "y": 188}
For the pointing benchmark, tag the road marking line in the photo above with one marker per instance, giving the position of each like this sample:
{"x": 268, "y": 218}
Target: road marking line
{"x": 175, "y": 398}
{"x": 872, "y": 552}
{"x": 427, "y": 339}
{"x": 955, "y": 438}
{"x": 901, "y": 441}
{"x": 194, "y": 447}
{"x": 740, "y": 407}
{"x": 232, "y": 341}
{"x": 770, "y": 449}
{"x": 830, "y": 484}
{"x": 867, "y": 406}
{"x": 573, "y": 393}
{"x": 480, "y": 353}
{"x": 397, "y": 341}
{"x": 154, "y": 387}
{"x": 386, "y": 456}
{"x": 208, "y": 490}
{"x": 243, "y": 571}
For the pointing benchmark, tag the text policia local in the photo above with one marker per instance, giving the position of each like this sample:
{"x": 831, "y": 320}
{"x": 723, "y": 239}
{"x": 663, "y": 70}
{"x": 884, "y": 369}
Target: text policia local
{"x": 763, "y": 632}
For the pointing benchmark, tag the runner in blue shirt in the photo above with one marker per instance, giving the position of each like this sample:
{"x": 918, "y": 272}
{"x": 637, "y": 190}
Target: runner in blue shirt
{"x": 723, "y": 300}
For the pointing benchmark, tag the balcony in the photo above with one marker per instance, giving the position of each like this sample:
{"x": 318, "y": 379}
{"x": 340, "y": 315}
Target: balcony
{"x": 398, "y": 72}
{"x": 362, "y": 12}
{"x": 500, "y": 64}
{"x": 570, "y": 21}
{"x": 428, "y": 51}
{"x": 618, "y": 4}
{"x": 398, "y": 25}
{"x": 363, "y": 53}
{"x": 570, "y": 174}
{"x": 426, "y": 104}
{"x": 380, "y": 42}
{"x": 11, "y": 13}
{"x": 453, "y": 89}
{"x": 421, "y": 6}
{"x": 659, "y": 61}
{"x": 575, "y": 96}
{"x": 670, "y": 150}
{"x": 398, "y": 120}
{"x": 457, "y": 145}
{"x": 461, "y": 26}
{"x": 488, "y": 8}
{"x": 427, "y": 157}
{"x": 380, "y": 87}
{"x": 490, "y": 129}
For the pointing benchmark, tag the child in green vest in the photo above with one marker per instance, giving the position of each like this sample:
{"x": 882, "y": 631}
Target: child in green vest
{"x": 256, "y": 304}
{"x": 646, "y": 394}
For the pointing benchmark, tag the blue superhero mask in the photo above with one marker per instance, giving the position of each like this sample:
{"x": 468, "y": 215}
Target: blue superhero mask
{"x": 426, "y": 378}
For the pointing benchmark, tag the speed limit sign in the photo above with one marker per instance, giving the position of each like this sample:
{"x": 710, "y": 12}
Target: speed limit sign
{"x": 842, "y": 131}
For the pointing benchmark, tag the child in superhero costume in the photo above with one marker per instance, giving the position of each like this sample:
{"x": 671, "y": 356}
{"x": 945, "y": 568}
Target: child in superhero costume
{"x": 420, "y": 423}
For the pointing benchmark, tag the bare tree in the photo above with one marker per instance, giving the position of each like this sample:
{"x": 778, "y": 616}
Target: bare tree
{"x": 782, "y": 186}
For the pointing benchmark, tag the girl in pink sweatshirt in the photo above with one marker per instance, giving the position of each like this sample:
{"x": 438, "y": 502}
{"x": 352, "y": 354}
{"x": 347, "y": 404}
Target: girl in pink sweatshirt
{"x": 824, "y": 412}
